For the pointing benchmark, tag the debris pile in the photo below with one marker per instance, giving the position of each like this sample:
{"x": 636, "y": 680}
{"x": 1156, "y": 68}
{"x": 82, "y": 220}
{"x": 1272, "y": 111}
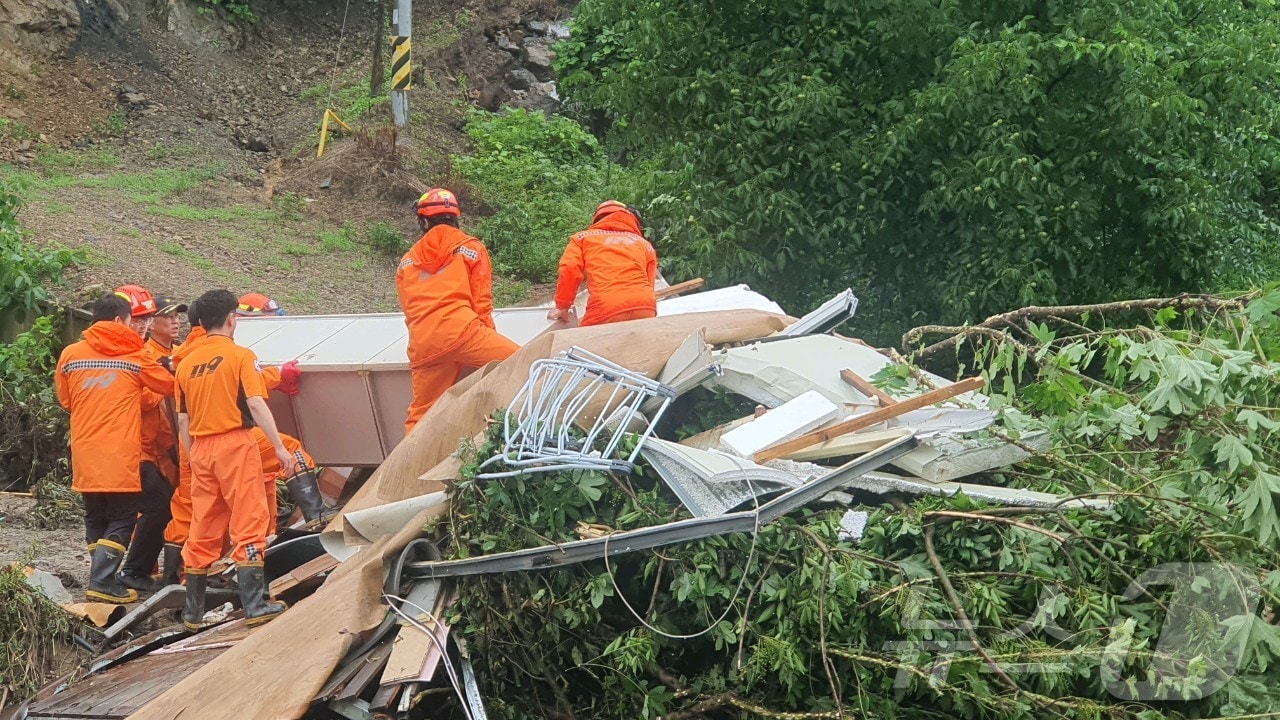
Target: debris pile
{"x": 720, "y": 516}
{"x": 32, "y": 628}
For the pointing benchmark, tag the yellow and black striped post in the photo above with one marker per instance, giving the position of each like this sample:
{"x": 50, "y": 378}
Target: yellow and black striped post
{"x": 401, "y": 67}
{"x": 401, "y": 61}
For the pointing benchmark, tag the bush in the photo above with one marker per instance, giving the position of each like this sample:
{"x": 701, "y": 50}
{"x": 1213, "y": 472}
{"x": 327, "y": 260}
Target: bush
{"x": 34, "y": 430}
{"x": 237, "y": 10}
{"x": 387, "y": 240}
{"x": 546, "y": 174}
{"x": 26, "y": 270}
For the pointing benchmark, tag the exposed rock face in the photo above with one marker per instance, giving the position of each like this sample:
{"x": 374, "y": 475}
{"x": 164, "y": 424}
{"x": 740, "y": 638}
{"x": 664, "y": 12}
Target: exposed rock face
{"x": 528, "y": 80}
{"x": 35, "y": 29}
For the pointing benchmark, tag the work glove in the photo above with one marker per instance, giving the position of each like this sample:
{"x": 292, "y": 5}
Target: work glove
{"x": 166, "y": 362}
{"x": 289, "y": 375}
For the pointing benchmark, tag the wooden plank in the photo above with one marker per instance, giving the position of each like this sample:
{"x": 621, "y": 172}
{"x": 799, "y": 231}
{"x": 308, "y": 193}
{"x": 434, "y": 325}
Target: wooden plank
{"x": 865, "y": 387}
{"x": 302, "y": 573}
{"x": 119, "y": 691}
{"x": 678, "y": 288}
{"x": 370, "y": 668}
{"x": 866, "y": 420}
{"x": 410, "y": 650}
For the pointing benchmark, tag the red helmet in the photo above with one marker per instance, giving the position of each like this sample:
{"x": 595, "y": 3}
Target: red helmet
{"x": 252, "y": 304}
{"x": 608, "y": 207}
{"x": 438, "y": 201}
{"x": 141, "y": 302}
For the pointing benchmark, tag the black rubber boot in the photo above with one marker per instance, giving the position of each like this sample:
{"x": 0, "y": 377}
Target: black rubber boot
{"x": 305, "y": 490}
{"x": 258, "y": 607}
{"x": 193, "y": 610}
{"x": 104, "y": 586}
{"x": 141, "y": 583}
{"x": 172, "y": 565}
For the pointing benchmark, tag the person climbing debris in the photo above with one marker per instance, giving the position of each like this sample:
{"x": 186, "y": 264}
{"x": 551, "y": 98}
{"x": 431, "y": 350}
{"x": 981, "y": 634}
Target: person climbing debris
{"x": 445, "y": 285}
{"x": 619, "y": 266}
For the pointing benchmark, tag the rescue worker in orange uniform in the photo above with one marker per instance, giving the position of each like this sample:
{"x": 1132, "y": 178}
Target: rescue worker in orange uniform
{"x": 445, "y": 284}
{"x": 158, "y": 440}
{"x": 162, "y": 341}
{"x": 303, "y": 485}
{"x": 284, "y": 377}
{"x": 619, "y": 265}
{"x": 221, "y": 397}
{"x": 159, "y": 447}
{"x": 100, "y": 381}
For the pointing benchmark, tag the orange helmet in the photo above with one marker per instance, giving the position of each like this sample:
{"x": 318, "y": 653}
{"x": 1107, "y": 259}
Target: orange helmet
{"x": 609, "y": 207}
{"x": 141, "y": 302}
{"x": 438, "y": 201}
{"x": 252, "y": 304}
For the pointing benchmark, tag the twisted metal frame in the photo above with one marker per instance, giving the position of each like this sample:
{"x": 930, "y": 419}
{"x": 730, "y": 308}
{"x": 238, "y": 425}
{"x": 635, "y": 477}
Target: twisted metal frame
{"x": 541, "y": 431}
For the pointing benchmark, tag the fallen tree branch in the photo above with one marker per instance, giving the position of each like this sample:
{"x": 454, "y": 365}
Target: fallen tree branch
{"x": 956, "y": 515}
{"x": 963, "y": 616}
{"x": 730, "y": 700}
{"x": 957, "y": 332}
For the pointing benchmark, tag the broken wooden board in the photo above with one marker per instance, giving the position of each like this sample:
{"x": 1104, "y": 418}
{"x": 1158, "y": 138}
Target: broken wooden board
{"x": 866, "y": 420}
{"x": 865, "y": 387}
{"x": 118, "y": 691}
{"x": 671, "y": 291}
{"x": 302, "y": 573}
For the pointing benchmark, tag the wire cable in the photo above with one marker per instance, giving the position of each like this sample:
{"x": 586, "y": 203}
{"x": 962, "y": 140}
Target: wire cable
{"x": 444, "y": 652}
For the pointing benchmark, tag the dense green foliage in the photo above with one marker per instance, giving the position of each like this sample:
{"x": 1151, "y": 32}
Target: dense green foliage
{"x": 1174, "y": 421}
{"x": 541, "y": 177}
{"x": 25, "y": 270}
{"x": 947, "y": 159}
{"x": 237, "y": 10}
{"x": 33, "y": 428}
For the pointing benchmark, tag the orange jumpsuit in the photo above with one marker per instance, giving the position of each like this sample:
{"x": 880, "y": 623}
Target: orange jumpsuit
{"x": 159, "y": 436}
{"x": 445, "y": 284}
{"x": 214, "y": 381}
{"x": 620, "y": 267}
{"x": 180, "y": 505}
{"x": 271, "y": 467}
{"x": 100, "y": 380}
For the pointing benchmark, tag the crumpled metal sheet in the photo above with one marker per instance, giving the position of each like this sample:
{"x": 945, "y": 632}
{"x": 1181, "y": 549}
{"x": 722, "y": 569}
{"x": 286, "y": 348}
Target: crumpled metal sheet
{"x": 776, "y": 371}
{"x": 710, "y": 483}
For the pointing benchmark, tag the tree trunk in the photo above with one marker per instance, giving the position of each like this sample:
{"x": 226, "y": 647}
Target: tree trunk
{"x": 377, "y": 72}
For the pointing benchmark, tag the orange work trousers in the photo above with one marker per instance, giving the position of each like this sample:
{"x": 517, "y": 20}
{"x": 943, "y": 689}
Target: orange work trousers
{"x": 479, "y": 348}
{"x": 175, "y": 533}
{"x": 637, "y": 314}
{"x": 226, "y": 496}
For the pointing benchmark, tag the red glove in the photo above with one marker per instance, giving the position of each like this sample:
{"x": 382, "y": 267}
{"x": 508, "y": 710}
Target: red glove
{"x": 289, "y": 375}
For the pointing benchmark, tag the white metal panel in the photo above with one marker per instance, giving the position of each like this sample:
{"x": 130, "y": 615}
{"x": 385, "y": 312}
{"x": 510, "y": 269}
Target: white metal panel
{"x": 350, "y": 347}
{"x": 252, "y": 330}
{"x": 392, "y": 357}
{"x": 521, "y": 325}
{"x": 736, "y": 297}
{"x": 295, "y": 336}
